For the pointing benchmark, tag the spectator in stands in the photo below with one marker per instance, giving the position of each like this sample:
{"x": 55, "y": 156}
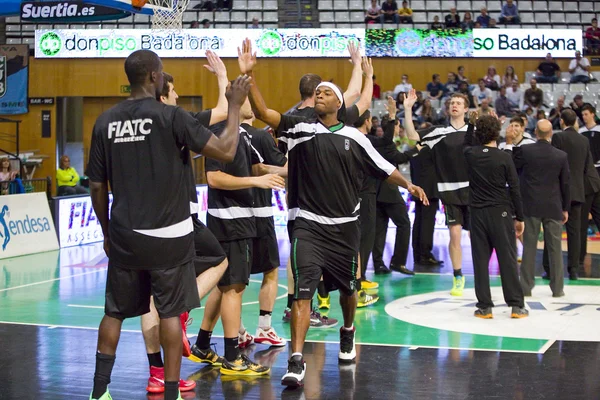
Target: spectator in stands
{"x": 467, "y": 21}
{"x": 205, "y": 24}
{"x": 534, "y": 97}
{"x": 548, "y": 71}
{"x": 556, "y": 112}
{"x": 460, "y": 76}
{"x": 484, "y": 108}
{"x": 592, "y": 37}
{"x": 515, "y": 96}
{"x": 463, "y": 88}
{"x": 405, "y": 13}
{"x": 436, "y": 90}
{"x": 195, "y": 25}
{"x": 477, "y": 25}
{"x": 374, "y": 125}
{"x": 451, "y": 84}
{"x": 484, "y": 18}
{"x": 443, "y": 115}
{"x": 404, "y": 87}
{"x": 503, "y": 106}
{"x": 510, "y": 13}
{"x": 426, "y": 115}
{"x": 509, "y": 76}
{"x": 579, "y": 69}
{"x": 419, "y": 102}
{"x": 492, "y": 79}
{"x": 577, "y": 104}
{"x": 390, "y": 12}
{"x": 481, "y": 93}
{"x": 376, "y": 89}
{"x": 453, "y": 19}
{"x": 373, "y": 13}
{"x": 533, "y": 120}
{"x": 6, "y": 175}
{"x": 400, "y": 104}
{"x": 255, "y": 23}
{"x": 68, "y": 179}
{"x": 492, "y": 24}
{"x": 436, "y": 23}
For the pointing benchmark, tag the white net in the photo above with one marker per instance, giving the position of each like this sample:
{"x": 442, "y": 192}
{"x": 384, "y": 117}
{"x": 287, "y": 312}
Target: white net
{"x": 168, "y": 13}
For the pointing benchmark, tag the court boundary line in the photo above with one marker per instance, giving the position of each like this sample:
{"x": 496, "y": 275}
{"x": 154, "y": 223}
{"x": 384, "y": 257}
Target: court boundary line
{"x": 411, "y": 347}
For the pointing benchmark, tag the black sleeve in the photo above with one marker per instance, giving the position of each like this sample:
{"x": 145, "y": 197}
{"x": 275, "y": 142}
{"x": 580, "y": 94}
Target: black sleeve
{"x": 96, "y": 168}
{"x": 469, "y": 136}
{"x": 565, "y": 190}
{"x": 513, "y": 184}
{"x": 286, "y": 124}
{"x": 374, "y": 163}
{"x": 351, "y": 115}
{"x": 518, "y": 159}
{"x": 270, "y": 152}
{"x": 395, "y": 157}
{"x": 188, "y": 131}
{"x": 203, "y": 117}
{"x": 388, "y": 131}
{"x": 557, "y": 141}
{"x": 213, "y": 165}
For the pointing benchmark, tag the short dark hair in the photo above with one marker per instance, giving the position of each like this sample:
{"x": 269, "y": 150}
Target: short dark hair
{"x": 308, "y": 85}
{"x": 517, "y": 119}
{"x": 167, "y": 78}
{"x": 462, "y": 96}
{"x": 569, "y": 117}
{"x": 594, "y": 19}
{"x": 139, "y": 65}
{"x": 435, "y": 76}
{"x": 487, "y": 129}
{"x": 588, "y": 107}
{"x": 362, "y": 119}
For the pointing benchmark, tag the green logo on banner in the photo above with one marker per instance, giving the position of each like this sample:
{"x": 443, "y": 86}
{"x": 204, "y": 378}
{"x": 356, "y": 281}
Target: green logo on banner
{"x": 50, "y": 43}
{"x": 125, "y": 89}
{"x": 270, "y": 43}
{"x": 2, "y": 76}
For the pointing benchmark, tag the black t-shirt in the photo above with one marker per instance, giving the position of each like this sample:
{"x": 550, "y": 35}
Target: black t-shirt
{"x": 203, "y": 117}
{"x": 389, "y": 7}
{"x": 593, "y": 135}
{"x": 324, "y": 179}
{"x": 137, "y": 147}
{"x": 230, "y": 213}
{"x": 548, "y": 68}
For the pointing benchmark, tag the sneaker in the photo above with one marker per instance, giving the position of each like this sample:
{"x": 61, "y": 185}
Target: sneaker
{"x": 105, "y": 396}
{"x": 324, "y": 302}
{"x": 347, "y": 347}
{"x": 484, "y": 313}
{"x": 207, "y": 356}
{"x": 268, "y": 337}
{"x": 185, "y": 322}
{"x": 287, "y": 315}
{"x": 317, "y": 320}
{"x": 156, "y": 382}
{"x": 242, "y": 365}
{"x": 368, "y": 285}
{"x": 245, "y": 340}
{"x": 458, "y": 286}
{"x": 365, "y": 299}
{"x": 294, "y": 376}
{"x": 519, "y": 312}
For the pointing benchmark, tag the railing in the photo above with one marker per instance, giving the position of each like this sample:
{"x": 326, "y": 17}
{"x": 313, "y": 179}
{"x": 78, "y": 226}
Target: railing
{"x": 41, "y": 185}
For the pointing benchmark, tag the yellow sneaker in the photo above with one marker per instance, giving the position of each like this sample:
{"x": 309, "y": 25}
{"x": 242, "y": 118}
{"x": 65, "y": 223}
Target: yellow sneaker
{"x": 459, "y": 285}
{"x": 368, "y": 285}
{"x": 243, "y": 366}
{"x": 365, "y": 299}
{"x": 324, "y": 302}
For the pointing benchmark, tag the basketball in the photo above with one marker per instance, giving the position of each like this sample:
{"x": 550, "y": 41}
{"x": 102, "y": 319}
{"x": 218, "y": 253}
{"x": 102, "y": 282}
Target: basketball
{"x": 138, "y": 3}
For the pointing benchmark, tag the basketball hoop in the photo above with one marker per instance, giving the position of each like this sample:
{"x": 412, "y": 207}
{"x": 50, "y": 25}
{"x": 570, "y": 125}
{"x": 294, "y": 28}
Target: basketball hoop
{"x": 168, "y": 14}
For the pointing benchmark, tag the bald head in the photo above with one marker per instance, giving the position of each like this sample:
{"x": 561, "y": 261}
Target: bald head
{"x": 543, "y": 129}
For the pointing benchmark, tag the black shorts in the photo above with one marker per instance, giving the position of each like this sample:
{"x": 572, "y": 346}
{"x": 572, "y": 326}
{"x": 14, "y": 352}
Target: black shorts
{"x": 239, "y": 255}
{"x": 128, "y": 291}
{"x": 311, "y": 260}
{"x": 458, "y": 215}
{"x": 265, "y": 253}
{"x": 209, "y": 252}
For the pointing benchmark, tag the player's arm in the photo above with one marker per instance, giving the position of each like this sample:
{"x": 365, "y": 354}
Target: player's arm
{"x": 409, "y": 127}
{"x": 264, "y": 169}
{"x": 216, "y": 66}
{"x": 366, "y": 96}
{"x": 222, "y": 181}
{"x": 96, "y": 171}
{"x": 353, "y": 90}
{"x": 247, "y": 62}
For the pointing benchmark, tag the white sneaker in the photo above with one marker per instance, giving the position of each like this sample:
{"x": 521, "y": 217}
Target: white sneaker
{"x": 245, "y": 339}
{"x": 294, "y": 376}
{"x": 269, "y": 337}
{"x": 347, "y": 347}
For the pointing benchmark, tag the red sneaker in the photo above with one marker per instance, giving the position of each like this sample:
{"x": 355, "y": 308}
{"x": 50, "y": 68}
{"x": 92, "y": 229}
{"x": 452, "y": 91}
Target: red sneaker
{"x": 156, "y": 382}
{"x": 185, "y": 321}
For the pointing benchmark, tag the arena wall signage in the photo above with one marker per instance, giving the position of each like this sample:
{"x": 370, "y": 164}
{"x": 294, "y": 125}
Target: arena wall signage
{"x": 67, "y": 11}
{"x": 526, "y": 43}
{"x": 419, "y": 43}
{"x": 26, "y": 225}
{"x": 194, "y": 42}
{"x": 14, "y": 78}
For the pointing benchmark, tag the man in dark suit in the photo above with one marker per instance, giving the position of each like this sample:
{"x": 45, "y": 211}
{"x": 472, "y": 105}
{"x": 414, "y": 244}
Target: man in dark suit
{"x": 577, "y": 148}
{"x": 544, "y": 180}
{"x": 422, "y": 170}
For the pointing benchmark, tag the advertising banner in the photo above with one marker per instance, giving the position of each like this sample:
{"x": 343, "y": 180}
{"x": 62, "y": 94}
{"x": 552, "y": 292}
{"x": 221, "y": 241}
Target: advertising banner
{"x": 67, "y": 11}
{"x": 14, "y": 77}
{"x": 526, "y": 43}
{"x": 26, "y": 225}
{"x": 408, "y": 42}
{"x": 189, "y": 43}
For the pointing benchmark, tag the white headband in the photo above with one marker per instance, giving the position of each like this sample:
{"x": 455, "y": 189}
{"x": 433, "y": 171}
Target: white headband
{"x": 335, "y": 89}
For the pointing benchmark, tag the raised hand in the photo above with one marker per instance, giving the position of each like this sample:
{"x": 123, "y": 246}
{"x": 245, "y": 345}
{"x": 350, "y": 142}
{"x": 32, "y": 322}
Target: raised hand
{"x": 410, "y": 99}
{"x": 270, "y": 181}
{"x": 367, "y": 67}
{"x": 473, "y": 117}
{"x": 390, "y": 106}
{"x": 354, "y": 51}
{"x": 238, "y": 91}
{"x": 215, "y": 64}
{"x": 246, "y": 59}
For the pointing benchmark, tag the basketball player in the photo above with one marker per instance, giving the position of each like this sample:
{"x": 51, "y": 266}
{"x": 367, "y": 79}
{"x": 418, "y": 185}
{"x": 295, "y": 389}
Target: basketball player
{"x": 136, "y": 148}
{"x": 325, "y": 157}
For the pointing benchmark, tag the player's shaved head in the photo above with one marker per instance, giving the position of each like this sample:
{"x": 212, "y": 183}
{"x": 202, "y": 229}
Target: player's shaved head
{"x": 140, "y": 65}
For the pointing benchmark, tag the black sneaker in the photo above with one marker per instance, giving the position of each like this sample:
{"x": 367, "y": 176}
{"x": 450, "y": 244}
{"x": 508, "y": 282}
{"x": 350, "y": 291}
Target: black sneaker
{"x": 347, "y": 348}
{"x": 207, "y": 356}
{"x": 294, "y": 376}
{"x": 484, "y": 313}
{"x": 382, "y": 270}
{"x": 519, "y": 312}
